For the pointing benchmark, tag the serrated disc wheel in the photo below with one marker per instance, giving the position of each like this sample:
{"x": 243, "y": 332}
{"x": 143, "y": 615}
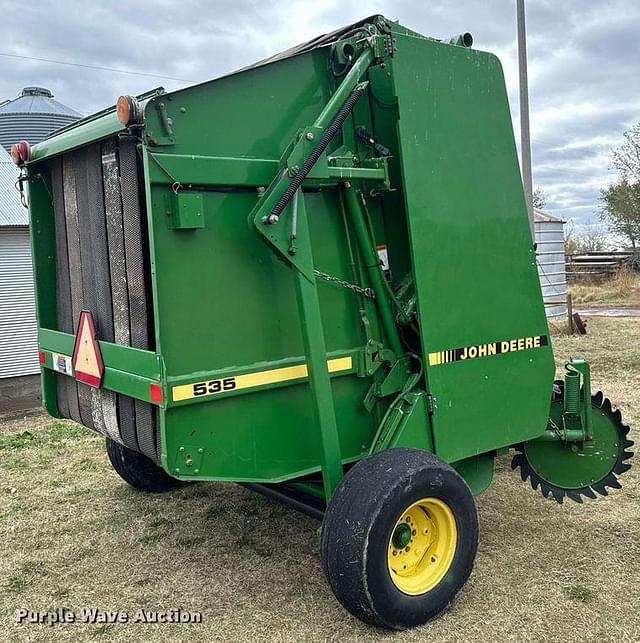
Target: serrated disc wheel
{"x": 573, "y": 470}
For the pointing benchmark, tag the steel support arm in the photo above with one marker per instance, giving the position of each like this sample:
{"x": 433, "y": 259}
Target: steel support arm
{"x": 372, "y": 265}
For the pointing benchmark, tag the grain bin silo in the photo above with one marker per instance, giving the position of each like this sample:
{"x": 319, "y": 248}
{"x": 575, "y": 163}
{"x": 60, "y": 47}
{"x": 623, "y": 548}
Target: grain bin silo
{"x": 550, "y": 253}
{"x": 32, "y": 116}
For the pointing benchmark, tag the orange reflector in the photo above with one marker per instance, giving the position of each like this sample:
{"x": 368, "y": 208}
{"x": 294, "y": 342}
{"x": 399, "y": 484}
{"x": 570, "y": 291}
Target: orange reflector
{"x": 87, "y": 360}
{"x": 41, "y": 357}
{"x": 155, "y": 393}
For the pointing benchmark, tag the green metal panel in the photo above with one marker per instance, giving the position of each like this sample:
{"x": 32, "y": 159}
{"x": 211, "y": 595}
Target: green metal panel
{"x": 43, "y": 246}
{"x": 122, "y": 358}
{"x": 223, "y": 299}
{"x": 127, "y": 370}
{"x": 253, "y": 114}
{"x": 264, "y": 436}
{"x": 472, "y": 254}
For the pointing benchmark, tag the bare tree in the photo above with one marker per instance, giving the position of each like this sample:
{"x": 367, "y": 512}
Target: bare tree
{"x": 539, "y": 198}
{"x": 592, "y": 238}
{"x": 626, "y": 159}
{"x": 570, "y": 243}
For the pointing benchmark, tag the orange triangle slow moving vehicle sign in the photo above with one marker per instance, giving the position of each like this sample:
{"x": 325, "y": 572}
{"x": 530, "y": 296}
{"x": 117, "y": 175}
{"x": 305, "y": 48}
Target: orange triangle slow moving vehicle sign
{"x": 87, "y": 360}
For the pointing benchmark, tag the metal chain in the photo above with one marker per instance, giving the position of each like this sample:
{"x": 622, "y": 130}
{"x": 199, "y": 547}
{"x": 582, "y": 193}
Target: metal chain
{"x": 367, "y": 292}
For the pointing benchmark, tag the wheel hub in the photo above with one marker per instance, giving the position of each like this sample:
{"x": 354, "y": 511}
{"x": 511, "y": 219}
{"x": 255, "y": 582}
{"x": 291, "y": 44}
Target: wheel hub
{"x": 401, "y": 536}
{"x": 422, "y": 546}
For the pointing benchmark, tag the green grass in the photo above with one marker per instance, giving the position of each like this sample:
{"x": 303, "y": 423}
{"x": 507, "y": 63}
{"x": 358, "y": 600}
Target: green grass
{"x": 53, "y": 435}
{"x": 74, "y": 535}
{"x": 624, "y": 289}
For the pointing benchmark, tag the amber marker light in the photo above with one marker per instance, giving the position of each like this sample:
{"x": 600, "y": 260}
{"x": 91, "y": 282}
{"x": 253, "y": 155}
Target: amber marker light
{"x": 20, "y": 152}
{"x": 129, "y": 111}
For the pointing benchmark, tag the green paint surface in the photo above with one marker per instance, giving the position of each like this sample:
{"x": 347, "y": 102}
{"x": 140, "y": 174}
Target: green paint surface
{"x": 225, "y": 301}
{"x": 471, "y": 249}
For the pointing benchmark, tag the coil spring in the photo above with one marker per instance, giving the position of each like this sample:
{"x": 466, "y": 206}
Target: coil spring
{"x": 572, "y": 393}
{"x": 307, "y": 166}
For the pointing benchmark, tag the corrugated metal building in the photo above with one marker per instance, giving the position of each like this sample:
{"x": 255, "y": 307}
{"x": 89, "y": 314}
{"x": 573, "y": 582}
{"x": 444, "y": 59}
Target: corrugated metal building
{"x": 549, "y": 233}
{"x": 18, "y": 341}
{"x": 32, "y": 116}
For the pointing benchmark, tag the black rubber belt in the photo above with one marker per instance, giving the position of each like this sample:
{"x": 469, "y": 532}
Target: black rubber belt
{"x": 105, "y": 400}
{"x": 75, "y": 272}
{"x": 118, "y": 271}
{"x": 89, "y": 295}
{"x": 137, "y": 289}
{"x": 64, "y": 385}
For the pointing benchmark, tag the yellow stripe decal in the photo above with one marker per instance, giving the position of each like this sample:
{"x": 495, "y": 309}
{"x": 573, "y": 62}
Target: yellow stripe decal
{"x": 251, "y": 380}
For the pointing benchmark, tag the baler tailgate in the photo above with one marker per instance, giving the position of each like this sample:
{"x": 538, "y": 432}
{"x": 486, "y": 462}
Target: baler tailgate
{"x": 102, "y": 265}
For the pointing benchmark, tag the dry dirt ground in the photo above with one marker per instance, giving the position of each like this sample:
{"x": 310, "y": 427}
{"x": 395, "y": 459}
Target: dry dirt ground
{"x": 74, "y": 535}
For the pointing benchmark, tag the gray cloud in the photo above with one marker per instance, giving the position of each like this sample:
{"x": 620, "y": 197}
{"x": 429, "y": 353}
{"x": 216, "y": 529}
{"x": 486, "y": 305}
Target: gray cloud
{"x": 583, "y": 61}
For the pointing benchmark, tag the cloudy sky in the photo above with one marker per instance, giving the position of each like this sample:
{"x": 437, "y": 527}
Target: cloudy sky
{"x": 583, "y": 61}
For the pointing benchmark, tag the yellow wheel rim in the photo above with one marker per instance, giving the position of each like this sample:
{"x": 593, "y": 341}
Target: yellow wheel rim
{"x": 422, "y": 546}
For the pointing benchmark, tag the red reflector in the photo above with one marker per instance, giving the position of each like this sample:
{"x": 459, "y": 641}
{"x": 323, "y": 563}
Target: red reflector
{"x": 87, "y": 359}
{"x": 155, "y": 393}
{"x": 41, "y": 357}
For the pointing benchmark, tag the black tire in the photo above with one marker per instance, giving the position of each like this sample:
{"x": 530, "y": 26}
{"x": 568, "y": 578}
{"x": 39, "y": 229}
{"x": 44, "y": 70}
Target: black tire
{"x": 359, "y": 523}
{"x": 138, "y": 470}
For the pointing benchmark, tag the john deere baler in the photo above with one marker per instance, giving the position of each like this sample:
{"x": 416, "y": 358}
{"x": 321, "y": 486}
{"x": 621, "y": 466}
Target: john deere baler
{"x": 315, "y": 277}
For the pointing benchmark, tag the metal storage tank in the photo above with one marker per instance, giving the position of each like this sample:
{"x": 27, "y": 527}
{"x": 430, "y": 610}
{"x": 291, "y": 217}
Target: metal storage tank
{"x": 32, "y": 116}
{"x": 18, "y": 330}
{"x": 549, "y": 234}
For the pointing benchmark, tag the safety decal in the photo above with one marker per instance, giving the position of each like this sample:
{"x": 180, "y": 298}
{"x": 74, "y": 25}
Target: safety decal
{"x": 251, "y": 380}
{"x": 485, "y": 350}
{"x": 62, "y": 363}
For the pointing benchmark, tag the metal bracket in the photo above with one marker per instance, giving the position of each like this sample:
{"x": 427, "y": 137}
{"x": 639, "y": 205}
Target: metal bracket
{"x": 269, "y": 209}
{"x": 188, "y": 461}
{"x": 405, "y": 424}
{"x": 377, "y": 36}
{"x": 393, "y": 381}
{"x": 166, "y": 138}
